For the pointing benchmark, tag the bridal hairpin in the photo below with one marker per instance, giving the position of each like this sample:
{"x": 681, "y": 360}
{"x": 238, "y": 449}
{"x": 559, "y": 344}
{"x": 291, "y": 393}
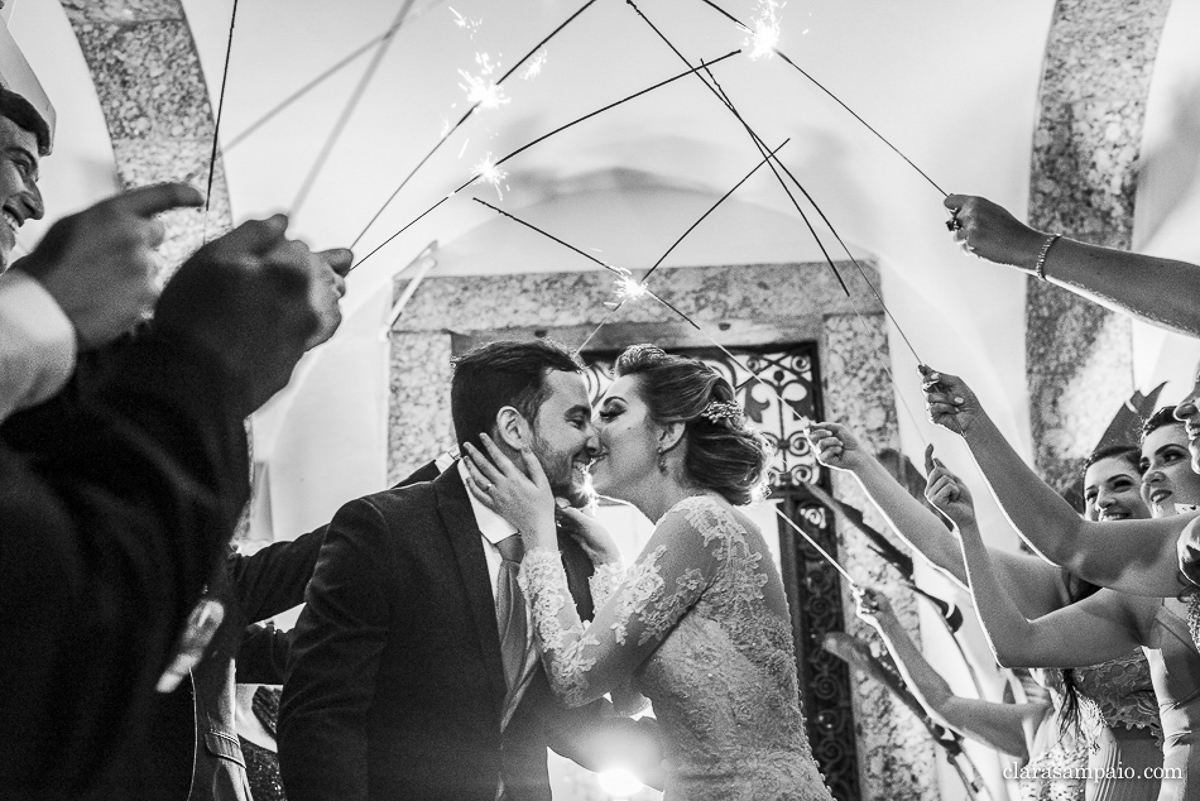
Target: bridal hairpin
{"x": 717, "y": 411}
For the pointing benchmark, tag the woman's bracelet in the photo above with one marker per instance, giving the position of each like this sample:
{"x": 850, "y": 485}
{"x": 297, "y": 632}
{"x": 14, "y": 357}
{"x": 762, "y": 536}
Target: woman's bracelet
{"x": 1039, "y": 267}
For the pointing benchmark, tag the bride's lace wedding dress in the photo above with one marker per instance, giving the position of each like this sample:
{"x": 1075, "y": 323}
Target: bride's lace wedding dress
{"x": 701, "y": 624}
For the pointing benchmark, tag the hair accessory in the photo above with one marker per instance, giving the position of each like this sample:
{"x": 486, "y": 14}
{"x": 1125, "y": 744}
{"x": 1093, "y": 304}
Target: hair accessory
{"x": 717, "y": 411}
{"x": 1039, "y": 268}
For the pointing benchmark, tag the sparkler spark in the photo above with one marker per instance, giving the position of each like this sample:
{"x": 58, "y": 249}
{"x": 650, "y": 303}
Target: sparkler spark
{"x": 469, "y": 24}
{"x": 534, "y": 68}
{"x": 489, "y": 173}
{"x": 628, "y": 288}
{"x": 763, "y": 38}
{"x": 481, "y": 88}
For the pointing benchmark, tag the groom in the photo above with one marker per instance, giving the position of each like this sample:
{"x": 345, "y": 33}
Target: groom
{"x": 398, "y": 687}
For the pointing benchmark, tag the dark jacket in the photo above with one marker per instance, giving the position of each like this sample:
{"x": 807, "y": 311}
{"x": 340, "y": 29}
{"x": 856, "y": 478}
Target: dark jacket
{"x": 396, "y": 686}
{"x": 111, "y": 519}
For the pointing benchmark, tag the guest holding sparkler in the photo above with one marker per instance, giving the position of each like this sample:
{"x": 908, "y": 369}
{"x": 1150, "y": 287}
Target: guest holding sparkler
{"x": 1161, "y": 291}
{"x": 1099, "y": 627}
{"x": 1121, "y": 725}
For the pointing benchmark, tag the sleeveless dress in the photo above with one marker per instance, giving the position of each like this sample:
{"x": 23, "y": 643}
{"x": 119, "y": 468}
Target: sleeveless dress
{"x": 1175, "y": 668}
{"x": 701, "y": 624}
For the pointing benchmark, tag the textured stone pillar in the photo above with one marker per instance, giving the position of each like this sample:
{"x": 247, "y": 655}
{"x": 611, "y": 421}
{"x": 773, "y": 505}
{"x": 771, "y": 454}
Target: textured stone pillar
{"x": 895, "y": 755}
{"x": 1095, "y": 82}
{"x": 154, "y": 98}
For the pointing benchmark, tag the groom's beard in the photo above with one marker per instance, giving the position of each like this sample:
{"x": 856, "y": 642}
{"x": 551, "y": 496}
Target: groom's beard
{"x": 565, "y": 478}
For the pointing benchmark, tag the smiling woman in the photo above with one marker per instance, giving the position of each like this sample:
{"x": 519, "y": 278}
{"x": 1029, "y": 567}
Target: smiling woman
{"x": 1169, "y": 485}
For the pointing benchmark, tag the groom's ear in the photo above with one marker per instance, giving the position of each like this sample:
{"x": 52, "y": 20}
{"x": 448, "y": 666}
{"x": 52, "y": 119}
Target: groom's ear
{"x": 512, "y": 429}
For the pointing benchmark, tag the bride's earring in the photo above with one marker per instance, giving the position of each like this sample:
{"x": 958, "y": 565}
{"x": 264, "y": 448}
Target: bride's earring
{"x": 662, "y": 460}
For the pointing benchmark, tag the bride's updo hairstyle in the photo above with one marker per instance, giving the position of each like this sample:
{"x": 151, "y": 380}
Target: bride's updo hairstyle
{"x": 723, "y": 453}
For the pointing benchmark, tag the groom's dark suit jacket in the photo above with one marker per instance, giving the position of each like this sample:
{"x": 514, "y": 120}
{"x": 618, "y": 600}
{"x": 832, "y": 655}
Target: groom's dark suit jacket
{"x": 396, "y": 686}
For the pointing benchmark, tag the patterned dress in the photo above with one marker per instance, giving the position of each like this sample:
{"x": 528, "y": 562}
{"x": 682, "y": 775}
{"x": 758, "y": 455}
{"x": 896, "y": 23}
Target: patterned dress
{"x": 701, "y": 624}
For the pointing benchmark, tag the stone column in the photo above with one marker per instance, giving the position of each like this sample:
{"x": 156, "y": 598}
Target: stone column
{"x": 1095, "y": 82}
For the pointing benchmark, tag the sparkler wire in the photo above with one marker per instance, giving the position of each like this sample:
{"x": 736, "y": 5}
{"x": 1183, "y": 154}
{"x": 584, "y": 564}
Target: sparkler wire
{"x": 335, "y": 134}
{"x": 721, "y": 95}
{"x": 835, "y": 98}
{"x": 532, "y": 52}
{"x": 212, "y": 159}
{"x": 540, "y": 139}
{"x": 758, "y": 142}
{"x": 766, "y": 160}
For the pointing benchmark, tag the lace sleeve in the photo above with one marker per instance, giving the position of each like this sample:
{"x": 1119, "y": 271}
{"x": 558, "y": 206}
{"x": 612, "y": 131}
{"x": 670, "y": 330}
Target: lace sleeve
{"x": 605, "y": 581}
{"x": 584, "y": 662}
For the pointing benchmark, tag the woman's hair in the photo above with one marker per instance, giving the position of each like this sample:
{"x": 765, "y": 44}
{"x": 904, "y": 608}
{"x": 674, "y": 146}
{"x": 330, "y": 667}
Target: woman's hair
{"x": 1078, "y": 589}
{"x": 723, "y": 453}
{"x": 1129, "y": 453}
{"x": 1164, "y": 416}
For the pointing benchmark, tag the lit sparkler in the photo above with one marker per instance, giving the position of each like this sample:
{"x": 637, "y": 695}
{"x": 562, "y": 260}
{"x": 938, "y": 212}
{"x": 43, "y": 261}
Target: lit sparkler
{"x": 489, "y": 172}
{"x": 763, "y": 38}
{"x": 481, "y": 89}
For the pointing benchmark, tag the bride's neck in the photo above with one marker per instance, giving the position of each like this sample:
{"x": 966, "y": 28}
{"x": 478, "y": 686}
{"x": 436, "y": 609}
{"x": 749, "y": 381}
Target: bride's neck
{"x": 655, "y": 497}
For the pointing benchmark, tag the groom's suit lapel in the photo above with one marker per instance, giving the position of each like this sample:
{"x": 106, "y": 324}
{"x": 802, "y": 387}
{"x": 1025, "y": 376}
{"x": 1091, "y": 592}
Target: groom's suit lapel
{"x": 465, "y": 540}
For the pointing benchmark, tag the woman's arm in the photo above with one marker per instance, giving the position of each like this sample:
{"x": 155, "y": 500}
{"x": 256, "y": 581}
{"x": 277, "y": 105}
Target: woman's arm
{"x": 1086, "y": 633}
{"x": 1005, "y": 727}
{"x": 1162, "y": 291}
{"x": 1133, "y": 556}
{"x": 1037, "y": 583}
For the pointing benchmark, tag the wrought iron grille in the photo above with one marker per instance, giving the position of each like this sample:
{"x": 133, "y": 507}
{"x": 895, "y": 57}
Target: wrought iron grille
{"x": 779, "y": 387}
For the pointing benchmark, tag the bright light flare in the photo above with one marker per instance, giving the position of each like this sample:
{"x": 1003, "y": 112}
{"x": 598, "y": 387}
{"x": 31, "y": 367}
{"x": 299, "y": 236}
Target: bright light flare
{"x": 488, "y": 172}
{"x": 763, "y": 37}
{"x": 628, "y": 288}
{"x": 619, "y": 783}
{"x": 481, "y": 88}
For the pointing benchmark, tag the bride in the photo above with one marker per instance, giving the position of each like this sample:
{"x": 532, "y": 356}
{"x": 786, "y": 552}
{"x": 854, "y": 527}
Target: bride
{"x": 700, "y": 622}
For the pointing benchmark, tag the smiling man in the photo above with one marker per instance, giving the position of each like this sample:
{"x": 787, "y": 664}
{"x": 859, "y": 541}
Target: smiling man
{"x": 24, "y": 139}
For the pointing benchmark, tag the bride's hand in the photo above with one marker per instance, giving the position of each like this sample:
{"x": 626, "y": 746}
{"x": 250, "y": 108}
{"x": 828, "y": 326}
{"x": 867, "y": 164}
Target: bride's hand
{"x": 593, "y": 537}
{"x": 523, "y": 498}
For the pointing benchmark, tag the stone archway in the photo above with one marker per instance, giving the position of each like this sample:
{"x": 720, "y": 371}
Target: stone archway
{"x": 146, "y": 70}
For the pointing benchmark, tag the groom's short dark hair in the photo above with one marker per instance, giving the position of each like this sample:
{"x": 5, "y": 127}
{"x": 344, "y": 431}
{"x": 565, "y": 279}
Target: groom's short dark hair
{"x": 500, "y": 374}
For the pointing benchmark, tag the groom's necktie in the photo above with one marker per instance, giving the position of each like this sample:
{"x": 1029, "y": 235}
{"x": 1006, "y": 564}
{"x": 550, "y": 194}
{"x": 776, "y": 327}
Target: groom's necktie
{"x": 510, "y": 611}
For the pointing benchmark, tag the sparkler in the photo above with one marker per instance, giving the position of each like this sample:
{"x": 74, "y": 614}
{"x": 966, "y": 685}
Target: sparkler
{"x": 212, "y": 160}
{"x": 481, "y": 90}
{"x": 536, "y": 53}
{"x": 765, "y": 36}
{"x": 540, "y": 139}
{"x": 489, "y": 172}
{"x": 752, "y": 33}
{"x": 351, "y": 104}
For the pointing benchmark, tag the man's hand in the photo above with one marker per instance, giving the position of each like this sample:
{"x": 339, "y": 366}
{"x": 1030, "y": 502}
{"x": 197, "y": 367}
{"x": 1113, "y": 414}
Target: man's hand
{"x": 257, "y": 300}
{"x": 99, "y": 265}
{"x": 988, "y": 231}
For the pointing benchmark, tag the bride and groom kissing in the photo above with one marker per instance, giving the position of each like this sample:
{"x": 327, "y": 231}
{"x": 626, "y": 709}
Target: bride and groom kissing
{"x": 443, "y": 645}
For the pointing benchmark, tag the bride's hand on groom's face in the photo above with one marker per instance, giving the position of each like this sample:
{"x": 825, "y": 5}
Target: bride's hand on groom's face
{"x": 522, "y": 497}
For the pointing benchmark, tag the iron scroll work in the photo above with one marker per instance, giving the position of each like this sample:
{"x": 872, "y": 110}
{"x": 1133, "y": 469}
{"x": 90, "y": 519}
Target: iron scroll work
{"x": 765, "y": 376}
